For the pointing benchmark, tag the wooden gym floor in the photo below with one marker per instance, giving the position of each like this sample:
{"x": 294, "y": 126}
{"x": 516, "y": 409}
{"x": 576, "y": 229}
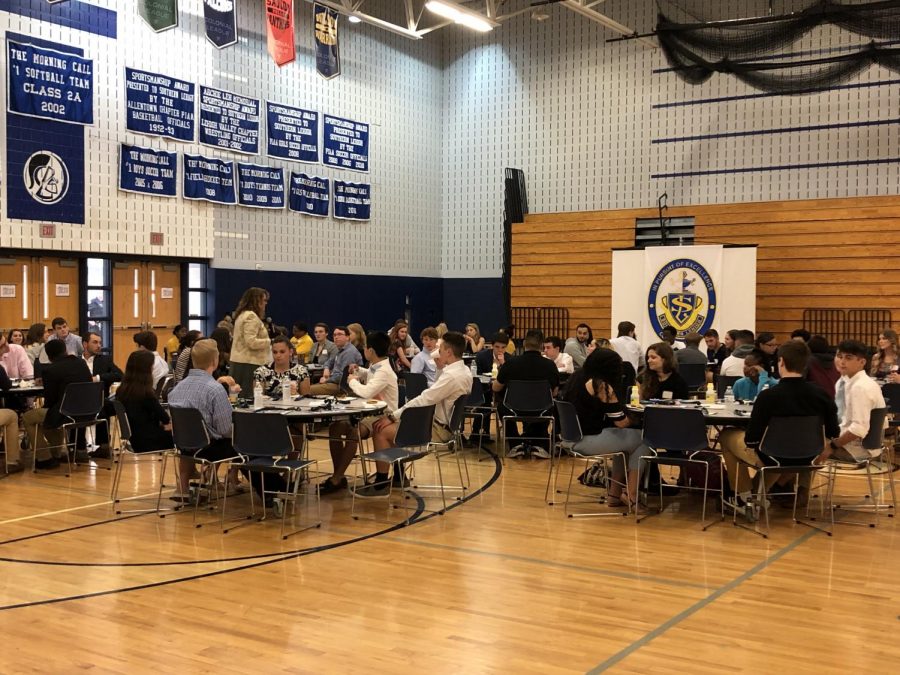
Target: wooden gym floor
{"x": 500, "y": 583}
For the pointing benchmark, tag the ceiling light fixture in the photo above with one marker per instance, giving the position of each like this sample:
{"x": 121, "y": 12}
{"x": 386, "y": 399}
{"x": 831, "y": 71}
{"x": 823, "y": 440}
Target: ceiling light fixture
{"x": 461, "y": 15}
{"x": 354, "y": 19}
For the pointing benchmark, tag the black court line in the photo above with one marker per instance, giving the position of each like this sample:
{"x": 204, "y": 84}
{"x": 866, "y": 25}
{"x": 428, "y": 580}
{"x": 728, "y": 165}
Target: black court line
{"x": 412, "y": 520}
{"x": 70, "y": 529}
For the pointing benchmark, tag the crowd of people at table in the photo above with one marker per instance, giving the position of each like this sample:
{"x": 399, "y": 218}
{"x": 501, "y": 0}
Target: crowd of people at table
{"x": 247, "y": 354}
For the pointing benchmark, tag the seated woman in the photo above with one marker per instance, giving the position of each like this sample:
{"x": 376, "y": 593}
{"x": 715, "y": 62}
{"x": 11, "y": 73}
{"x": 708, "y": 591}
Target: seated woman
{"x": 821, "y": 369}
{"x": 885, "y": 362}
{"x": 358, "y": 339}
{"x": 223, "y": 342}
{"x": 599, "y": 401}
{"x": 661, "y": 376}
{"x": 151, "y": 429}
{"x": 281, "y": 370}
{"x": 474, "y": 341}
{"x": 183, "y": 363}
{"x": 768, "y": 346}
{"x": 398, "y": 352}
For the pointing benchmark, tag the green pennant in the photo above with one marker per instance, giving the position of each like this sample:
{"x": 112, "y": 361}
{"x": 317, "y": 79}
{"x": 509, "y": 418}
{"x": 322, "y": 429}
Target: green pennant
{"x": 159, "y": 14}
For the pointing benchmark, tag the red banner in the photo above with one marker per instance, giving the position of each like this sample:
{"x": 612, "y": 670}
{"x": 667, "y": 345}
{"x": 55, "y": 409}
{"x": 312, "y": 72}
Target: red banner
{"x": 280, "y": 30}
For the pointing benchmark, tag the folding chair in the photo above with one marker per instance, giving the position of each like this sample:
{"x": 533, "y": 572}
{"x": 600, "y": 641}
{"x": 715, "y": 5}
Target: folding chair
{"x": 415, "y": 384}
{"x": 475, "y": 409}
{"x": 528, "y": 401}
{"x": 723, "y": 382}
{"x": 694, "y": 375}
{"x": 789, "y": 446}
{"x": 454, "y": 446}
{"x": 413, "y": 441}
{"x": 81, "y": 405}
{"x": 570, "y": 435}
{"x": 677, "y": 437}
{"x": 265, "y": 445}
{"x": 127, "y": 451}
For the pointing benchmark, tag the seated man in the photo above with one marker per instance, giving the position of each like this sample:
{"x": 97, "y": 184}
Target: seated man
{"x": 199, "y": 390}
{"x": 669, "y": 335}
{"x": 577, "y": 347}
{"x": 171, "y": 347}
{"x": 61, "y": 332}
{"x": 743, "y": 345}
{"x": 793, "y": 397}
{"x": 860, "y": 395}
{"x": 102, "y": 370}
{"x": 344, "y": 354}
{"x": 530, "y": 365}
{"x": 324, "y": 348}
{"x": 455, "y": 380}
{"x": 553, "y": 346}
{"x": 626, "y": 345}
{"x": 715, "y": 350}
{"x": 378, "y": 381}
{"x": 43, "y": 424}
{"x": 423, "y": 362}
{"x": 755, "y": 379}
{"x": 146, "y": 341}
{"x": 691, "y": 352}
{"x": 9, "y": 421}
{"x": 488, "y": 362}
{"x": 301, "y": 341}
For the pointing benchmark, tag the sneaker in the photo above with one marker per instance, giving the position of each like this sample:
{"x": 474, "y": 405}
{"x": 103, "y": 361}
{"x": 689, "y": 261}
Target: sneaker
{"x": 540, "y": 453}
{"x": 102, "y": 452}
{"x": 278, "y": 507}
{"x": 517, "y": 451}
{"x": 374, "y": 490}
{"x": 400, "y": 480}
{"x": 327, "y": 487}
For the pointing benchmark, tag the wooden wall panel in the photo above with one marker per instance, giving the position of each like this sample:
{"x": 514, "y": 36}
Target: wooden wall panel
{"x": 812, "y": 254}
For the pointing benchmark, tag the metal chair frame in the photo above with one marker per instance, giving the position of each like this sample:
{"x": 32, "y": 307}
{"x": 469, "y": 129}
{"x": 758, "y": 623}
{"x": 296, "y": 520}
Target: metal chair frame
{"x": 454, "y": 446}
{"x": 82, "y": 408}
{"x": 522, "y": 397}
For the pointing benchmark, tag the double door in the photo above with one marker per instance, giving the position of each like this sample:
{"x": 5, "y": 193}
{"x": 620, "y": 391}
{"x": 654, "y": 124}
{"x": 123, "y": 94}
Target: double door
{"x": 34, "y": 289}
{"x": 146, "y": 296}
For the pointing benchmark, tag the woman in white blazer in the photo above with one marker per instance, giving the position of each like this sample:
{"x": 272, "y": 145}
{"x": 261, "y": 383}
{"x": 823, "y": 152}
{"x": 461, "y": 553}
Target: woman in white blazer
{"x": 251, "y": 347}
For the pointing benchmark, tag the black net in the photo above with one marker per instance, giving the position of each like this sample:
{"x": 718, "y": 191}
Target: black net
{"x": 697, "y": 50}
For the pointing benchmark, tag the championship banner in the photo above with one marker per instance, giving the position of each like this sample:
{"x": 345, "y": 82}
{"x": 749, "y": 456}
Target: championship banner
{"x": 683, "y": 285}
{"x": 44, "y": 157}
{"x": 47, "y": 83}
{"x": 325, "y": 34}
{"x": 261, "y": 187}
{"x": 352, "y": 201}
{"x": 280, "y": 30}
{"x": 292, "y": 133}
{"x": 53, "y": 2}
{"x": 148, "y": 171}
{"x": 158, "y": 105}
{"x": 309, "y": 194}
{"x": 160, "y": 15}
{"x": 346, "y": 144}
{"x": 208, "y": 179}
{"x": 229, "y": 121}
{"x": 221, "y": 22}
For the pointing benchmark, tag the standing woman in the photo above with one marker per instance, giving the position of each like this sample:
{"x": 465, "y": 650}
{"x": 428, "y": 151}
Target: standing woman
{"x": 34, "y": 340}
{"x": 474, "y": 341}
{"x": 885, "y": 360}
{"x": 661, "y": 375}
{"x": 398, "y": 347}
{"x": 251, "y": 347}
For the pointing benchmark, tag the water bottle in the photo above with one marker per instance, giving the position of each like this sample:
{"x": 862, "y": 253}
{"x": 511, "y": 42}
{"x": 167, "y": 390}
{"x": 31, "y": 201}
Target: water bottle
{"x": 729, "y": 395}
{"x": 494, "y": 370}
{"x": 286, "y": 391}
{"x": 257, "y": 396}
{"x": 474, "y": 368}
{"x": 710, "y": 393}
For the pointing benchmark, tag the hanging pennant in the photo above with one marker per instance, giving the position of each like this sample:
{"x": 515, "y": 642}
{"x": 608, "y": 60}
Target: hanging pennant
{"x": 280, "y": 30}
{"x": 326, "y": 35}
{"x": 159, "y": 14}
{"x": 221, "y": 22}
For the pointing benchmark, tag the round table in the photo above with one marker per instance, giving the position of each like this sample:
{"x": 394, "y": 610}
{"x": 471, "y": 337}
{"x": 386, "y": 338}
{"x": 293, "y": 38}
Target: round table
{"x": 721, "y": 413}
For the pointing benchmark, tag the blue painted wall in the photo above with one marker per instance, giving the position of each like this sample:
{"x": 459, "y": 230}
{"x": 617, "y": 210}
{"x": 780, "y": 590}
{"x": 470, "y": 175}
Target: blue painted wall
{"x": 477, "y": 301}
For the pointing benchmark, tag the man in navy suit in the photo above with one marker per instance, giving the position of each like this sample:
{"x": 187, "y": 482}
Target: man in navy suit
{"x": 102, "y": 370}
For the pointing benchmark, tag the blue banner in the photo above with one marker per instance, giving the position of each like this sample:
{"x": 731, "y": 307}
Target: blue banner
{"x": 221, "y": 22}
{"x": 48, "y": 83}
{"x": 325, "y": 34}
{"x": 209, "y": 179}
{"x": 260, "y": 186}
{"x": 159, "y": 105}
{"x": 148, "y": 171}
{"x": 229, "y": 121}
{"x": 346, "y": 144}
{"x": 352, "y": 201}
{"x": 292, "y": 133}
{"x": 309, "y": 194}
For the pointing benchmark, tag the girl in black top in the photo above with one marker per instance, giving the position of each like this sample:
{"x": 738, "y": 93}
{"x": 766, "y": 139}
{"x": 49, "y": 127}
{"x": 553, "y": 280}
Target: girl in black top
{"x": 151, "y": 429}
{"x": 662, "y": 375}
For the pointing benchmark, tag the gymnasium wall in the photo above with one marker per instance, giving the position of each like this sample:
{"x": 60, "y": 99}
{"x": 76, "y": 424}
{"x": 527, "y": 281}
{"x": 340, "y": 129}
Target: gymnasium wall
{"x": 812, "y": 254}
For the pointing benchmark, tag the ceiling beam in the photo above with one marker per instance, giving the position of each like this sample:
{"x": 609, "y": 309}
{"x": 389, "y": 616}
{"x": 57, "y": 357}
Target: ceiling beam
{"x": 582, "y": 8}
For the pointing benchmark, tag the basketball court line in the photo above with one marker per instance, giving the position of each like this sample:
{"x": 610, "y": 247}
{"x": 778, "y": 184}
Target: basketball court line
{"x": 108, "y": 502}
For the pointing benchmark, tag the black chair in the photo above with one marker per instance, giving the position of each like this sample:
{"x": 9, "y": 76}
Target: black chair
{"x": 570, "y": 435}
{"x": 454, "y": 446}
{"x": 415, "y": 384}
{"x": 81, "y": 405}
{"x": 265, "y": 444}
{"x": 677, "y": 437}
{"x": 789, "y": 446}
{"x": 344, "y": 383}
{"x": 891, "y": 393}
{"x": 694, "y": 375}
{"x": 412, "y": 442}
{"x": 528, "y": 401}
{"x": 723, "y": 382}
{"x": 477, "y": 409}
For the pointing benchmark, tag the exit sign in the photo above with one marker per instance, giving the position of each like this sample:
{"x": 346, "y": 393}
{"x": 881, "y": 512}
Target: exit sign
{"x": 48, "y": 231}
{"x": 156, "y": 238}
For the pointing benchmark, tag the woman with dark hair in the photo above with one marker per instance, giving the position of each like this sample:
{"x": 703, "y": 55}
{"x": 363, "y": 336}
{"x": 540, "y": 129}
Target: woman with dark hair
{"x": 251, "y": 347}
{"x": 398, "y": 347}
{"x": 151, "y": 429}
{"x": 34, "y": 340}
{"x": 598, "y": 394}
{"x": 661, "y": 376}
{"x": 885, "y": 362}
{"x": 16, "y": 337}
{"x": 729, "y": 339}
{"x": 183, "y": 364}
{"x": 281, "y": 370}
{"x": 821, "y": 370}
{"x": 223, "y": 341}
{"x": 767, "y": 345}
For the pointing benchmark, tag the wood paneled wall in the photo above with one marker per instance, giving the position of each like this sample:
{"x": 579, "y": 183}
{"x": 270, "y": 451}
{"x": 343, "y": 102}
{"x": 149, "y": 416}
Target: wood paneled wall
{"x": 824, "y": 253}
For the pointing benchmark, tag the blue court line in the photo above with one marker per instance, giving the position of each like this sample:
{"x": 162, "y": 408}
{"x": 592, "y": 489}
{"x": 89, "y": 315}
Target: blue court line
{"x": 781, "y": 167}
{"x": 558, "y": 565}
{"x": 744, "y": 97}
{"x": 697, "y": 606}
{"x": 778, "y": 130}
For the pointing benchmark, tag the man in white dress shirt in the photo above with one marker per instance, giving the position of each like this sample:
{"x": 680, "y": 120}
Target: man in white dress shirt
{"x": 627, "y": 346}
{"x": 553, "y": 346}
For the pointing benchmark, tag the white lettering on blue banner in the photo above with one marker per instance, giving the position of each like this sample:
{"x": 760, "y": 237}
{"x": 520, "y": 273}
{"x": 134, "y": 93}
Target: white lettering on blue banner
{"x": 309, "y": 194}
{"x": 292, "y": 133}
{"x": 352, "y": 201}
{"x": 346, "y": 144}
{"x": 148, "y": 171}
{"x": 260, "y": 186}
{"x": 229, "y": 121}
{"x": 208, "y": 179}
{"x": 159, "y": 105}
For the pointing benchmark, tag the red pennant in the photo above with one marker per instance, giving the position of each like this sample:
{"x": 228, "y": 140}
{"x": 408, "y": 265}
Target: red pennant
{"x": 280, "y": 30}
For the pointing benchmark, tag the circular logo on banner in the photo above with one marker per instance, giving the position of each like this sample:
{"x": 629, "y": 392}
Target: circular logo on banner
{"x": 682, "y": 295}
{"x": 46, "y": 177}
